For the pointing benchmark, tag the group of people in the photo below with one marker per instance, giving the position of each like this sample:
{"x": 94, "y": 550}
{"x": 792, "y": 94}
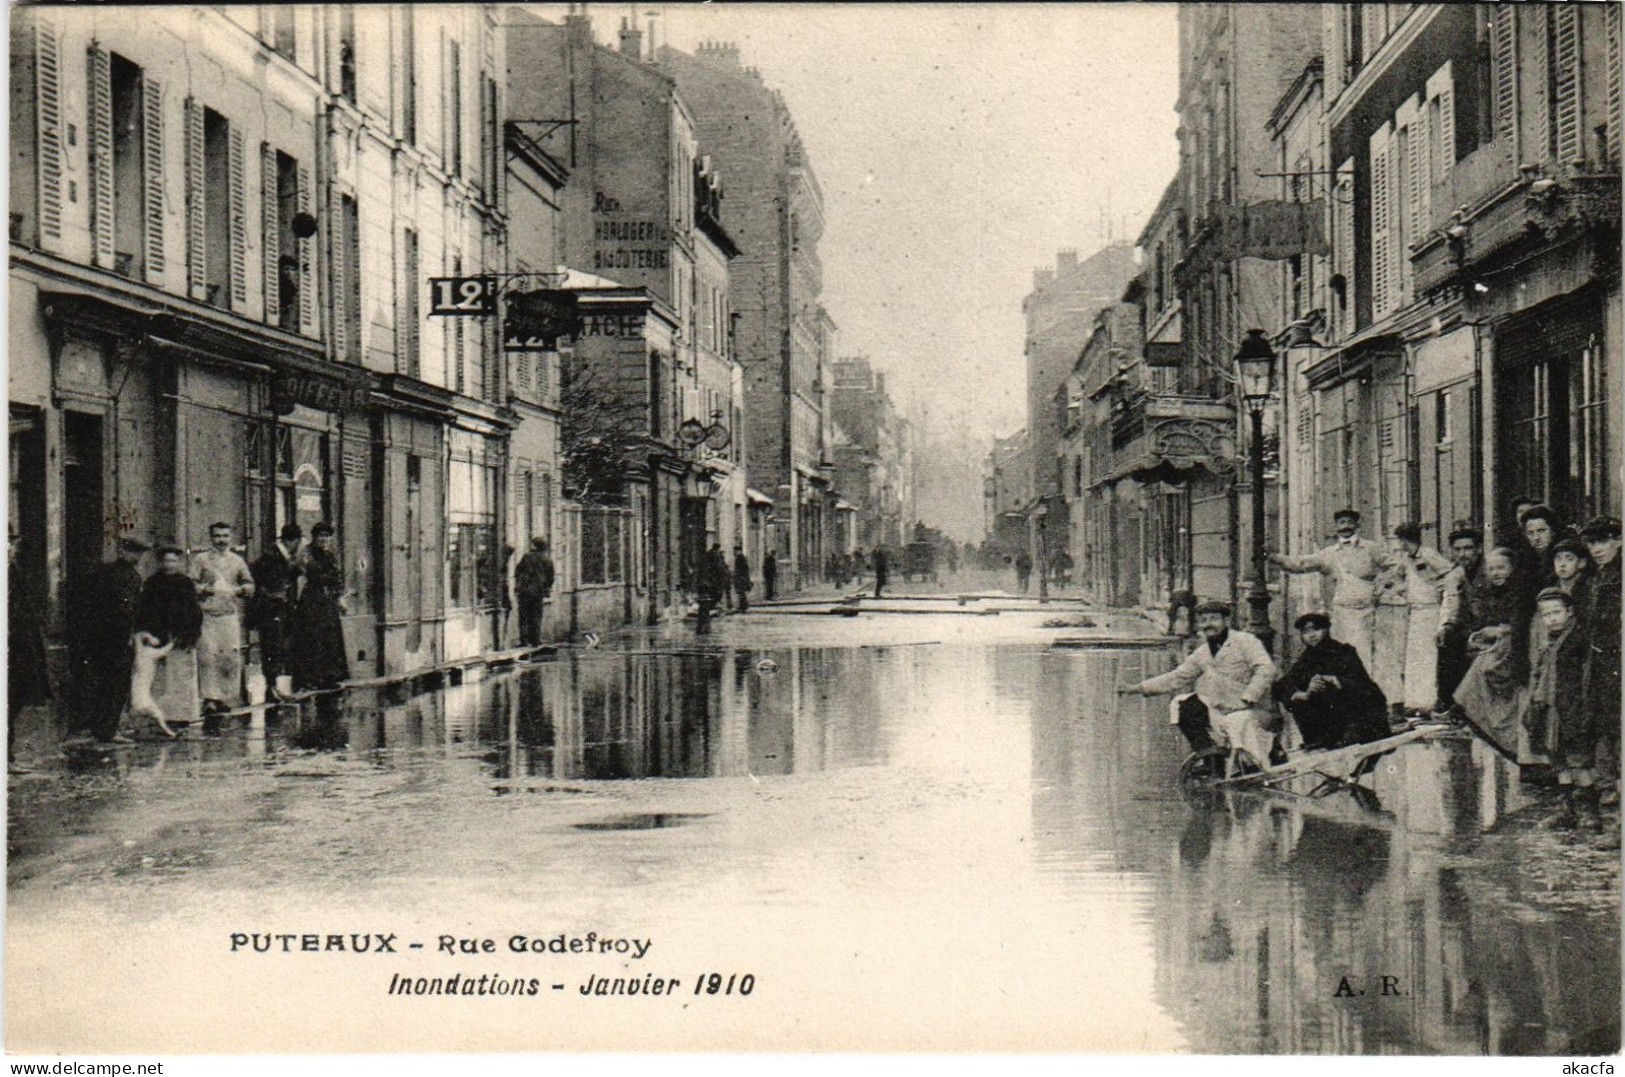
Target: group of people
{"x": 1227, "y": 687}
{"x": 169, "y": 648}
{"x": 1521, "y": 642}
{"x": 719, "y": 584}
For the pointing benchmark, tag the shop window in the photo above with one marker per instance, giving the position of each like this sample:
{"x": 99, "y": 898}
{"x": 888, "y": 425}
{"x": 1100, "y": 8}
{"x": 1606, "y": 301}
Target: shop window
{"x": 301, "y": 477}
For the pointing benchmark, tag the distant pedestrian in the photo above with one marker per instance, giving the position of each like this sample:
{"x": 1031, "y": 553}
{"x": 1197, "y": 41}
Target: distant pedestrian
{"x": 1352, "y": 563}
{"x": 711, "y": 581}
{"x": 27, "y": 683}
{"x": 164, "y": 685}
{"x": 101, "y": 623}
{"x": 880, "y": 567}
{"x": 223, "y": 580}
{"x": 533, "y": 579}
{"x": 1024, "y": 570}
{"x": 770, "y": 575}
{"x": 741, "y": 578}
{"x": 319, "y": 657}
{"x": 276, "y": 588}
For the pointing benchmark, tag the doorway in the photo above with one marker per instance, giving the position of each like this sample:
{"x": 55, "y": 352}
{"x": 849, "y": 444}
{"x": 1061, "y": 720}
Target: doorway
{"x": 83, "y": 505}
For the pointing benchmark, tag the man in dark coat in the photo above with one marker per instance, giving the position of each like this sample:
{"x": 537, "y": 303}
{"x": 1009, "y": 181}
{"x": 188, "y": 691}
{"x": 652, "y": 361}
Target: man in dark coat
{"x": 770, "y": 575}
{"x": 741, "y": 578}
{"x": 880, "y": 567}
{"x": 711, "y": 580}
{"x": 533, "y": 580}
{"x": 1328, "y": 692}
{"x": 1600, "y": 683}
{"x": 102, "y": 619}
{"x": 276, "y": 587}
{"x": 1456, "y": 611}
{"x": 26, "y": 681}
{"x": 319, "y": 657}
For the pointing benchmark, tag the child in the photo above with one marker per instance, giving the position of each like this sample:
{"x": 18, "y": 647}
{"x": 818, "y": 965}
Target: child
{"x": 1555, "y": 717}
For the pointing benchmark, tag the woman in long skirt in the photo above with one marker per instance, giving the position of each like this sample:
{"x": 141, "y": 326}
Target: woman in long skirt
{"x": 1494, "y": 692}
{"x": 319, "y": 660}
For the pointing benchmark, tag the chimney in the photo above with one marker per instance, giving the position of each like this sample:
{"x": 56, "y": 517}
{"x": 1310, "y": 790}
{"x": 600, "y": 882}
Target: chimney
{"x": 631, "y": 41}
{"x": 721, "y": 54}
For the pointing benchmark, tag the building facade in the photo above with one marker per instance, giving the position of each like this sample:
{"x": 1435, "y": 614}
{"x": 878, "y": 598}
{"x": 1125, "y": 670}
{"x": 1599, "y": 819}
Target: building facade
{"x": 208, "y": 323}
{"x": 774, "y": 211}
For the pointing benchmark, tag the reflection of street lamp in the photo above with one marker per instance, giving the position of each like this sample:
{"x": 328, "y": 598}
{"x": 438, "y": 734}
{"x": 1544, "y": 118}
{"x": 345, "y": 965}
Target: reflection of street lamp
{"x": 1255, "y": 379}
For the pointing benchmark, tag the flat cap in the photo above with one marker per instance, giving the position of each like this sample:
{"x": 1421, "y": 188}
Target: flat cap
{"x": 1212, "y": 605}
{"x": 1313, "y": 620}
{"x": 1601, "y": 527}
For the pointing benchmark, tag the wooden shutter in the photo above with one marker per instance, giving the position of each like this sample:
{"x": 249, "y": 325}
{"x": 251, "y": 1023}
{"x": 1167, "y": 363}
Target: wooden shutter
{"x": 101, "y": 158}
{"x": 237, "y": 204}
{"x": 308, "y": 324}
{"x": 1332, "y": 17}
{"x": 48, "y": 117}
{"x": 1615, "y": 63}
{"x": 1414, "y": 138}
{"x": 1504, "y": 67}
{"x": 1568, "y": 142}
{"x": 197, "y": 253}
{"x": 152, "y": 166}
{"x": 1441, "y": 90}
{"x": 270, "y": 235}
{"x": 1381, "y": 183}
{"x": 338, "y": 257}
{"x": 1535, "y": 139}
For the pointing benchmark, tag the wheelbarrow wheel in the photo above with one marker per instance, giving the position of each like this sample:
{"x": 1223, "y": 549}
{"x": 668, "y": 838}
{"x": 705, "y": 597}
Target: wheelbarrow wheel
{"x": 1206, "y": 765}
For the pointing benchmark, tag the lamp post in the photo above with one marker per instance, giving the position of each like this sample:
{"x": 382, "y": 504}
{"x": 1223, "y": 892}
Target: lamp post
{"x": 1255, "y": 379}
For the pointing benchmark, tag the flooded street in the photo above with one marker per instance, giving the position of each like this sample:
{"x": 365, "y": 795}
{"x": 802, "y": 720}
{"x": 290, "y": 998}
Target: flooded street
{"x": 932, "y": 830}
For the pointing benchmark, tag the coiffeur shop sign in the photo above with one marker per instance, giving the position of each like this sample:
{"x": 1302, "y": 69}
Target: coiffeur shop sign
{"x": 291, "y": 388}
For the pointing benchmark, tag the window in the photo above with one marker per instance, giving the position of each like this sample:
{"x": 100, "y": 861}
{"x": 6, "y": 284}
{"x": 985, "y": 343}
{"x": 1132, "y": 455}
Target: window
{"x": 126, "y": 197}
{"x": 286, "y": 244}
{"x": 347, "y": 52}
{"x": 602, "y": 555}
{"x": 301, "y": 477}
{"x": 1588, "y": 425}
{"x": 216, "y": 210}
{"x": 282, "y": 35}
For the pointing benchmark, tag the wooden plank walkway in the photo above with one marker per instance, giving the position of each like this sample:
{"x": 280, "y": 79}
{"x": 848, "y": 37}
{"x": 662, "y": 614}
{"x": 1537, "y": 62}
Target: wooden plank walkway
{"x": 1335, "y": 763}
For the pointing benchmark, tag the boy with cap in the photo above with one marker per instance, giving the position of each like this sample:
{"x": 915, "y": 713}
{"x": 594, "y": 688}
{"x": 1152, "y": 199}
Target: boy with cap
{"x": 1556, "y": 720}
{"x": 1352, "y": 564}
{"x": 1231, "y": 673}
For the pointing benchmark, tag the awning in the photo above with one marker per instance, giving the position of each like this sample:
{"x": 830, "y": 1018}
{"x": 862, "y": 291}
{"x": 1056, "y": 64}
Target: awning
{"x": 757, "y": 497}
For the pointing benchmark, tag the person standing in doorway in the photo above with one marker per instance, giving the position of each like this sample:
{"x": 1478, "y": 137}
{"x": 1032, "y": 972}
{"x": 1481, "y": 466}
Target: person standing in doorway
{"x": 1024, "y": 570}
{"x": 276, "y": 587}
{"x": 319, "y": 658}
{"x": 710, "y": 579}
{"x": 1352, "y": 563}
{"x": 770, "y": 575}
{"x": 533, "y": 579}
{"x": 741, "y": 578}
{"x": 223, "y": 580}
{"x": 880, "y": 569}
{"x": 101, "y": 620}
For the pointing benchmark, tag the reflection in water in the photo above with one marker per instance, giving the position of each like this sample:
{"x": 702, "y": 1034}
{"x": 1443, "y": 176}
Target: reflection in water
{"x": 1272, "y": 922}
{"x": 1264, "y": 903}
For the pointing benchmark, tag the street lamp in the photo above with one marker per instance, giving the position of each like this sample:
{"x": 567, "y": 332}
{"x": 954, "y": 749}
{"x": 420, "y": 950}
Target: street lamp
{"x": 1255, "y": 380}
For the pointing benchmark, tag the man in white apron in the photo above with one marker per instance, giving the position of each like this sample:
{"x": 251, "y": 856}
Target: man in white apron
{"x": 1352, "y": 563}
{"x": 223, "y": 580}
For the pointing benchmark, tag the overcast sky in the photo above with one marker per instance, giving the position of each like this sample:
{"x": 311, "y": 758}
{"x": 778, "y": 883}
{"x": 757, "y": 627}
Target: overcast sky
{"x": 959, "y": 147}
